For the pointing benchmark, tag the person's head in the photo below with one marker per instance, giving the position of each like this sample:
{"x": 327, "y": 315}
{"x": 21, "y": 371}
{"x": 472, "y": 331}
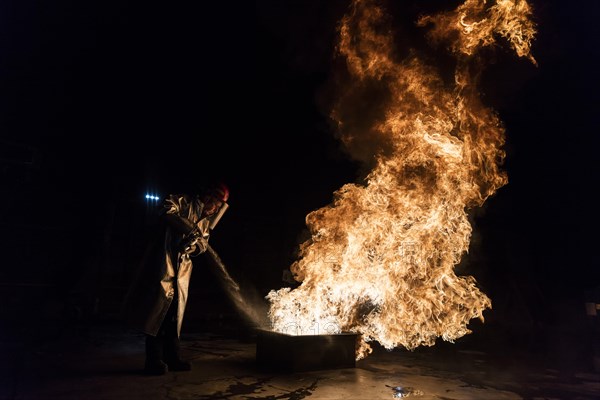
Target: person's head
{"x": 213, "y": 198}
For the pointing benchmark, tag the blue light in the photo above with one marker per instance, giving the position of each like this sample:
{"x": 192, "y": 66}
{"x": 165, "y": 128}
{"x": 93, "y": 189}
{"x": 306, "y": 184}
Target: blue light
{"x": 152, "y": 197}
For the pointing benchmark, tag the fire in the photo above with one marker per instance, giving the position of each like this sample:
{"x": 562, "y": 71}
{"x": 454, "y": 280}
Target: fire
{"x": 381, "y": 258}
{"x": 478, "y": 26}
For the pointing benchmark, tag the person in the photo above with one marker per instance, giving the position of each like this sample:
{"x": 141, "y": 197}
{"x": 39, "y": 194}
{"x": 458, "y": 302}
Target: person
{"x": 156, "y": 300}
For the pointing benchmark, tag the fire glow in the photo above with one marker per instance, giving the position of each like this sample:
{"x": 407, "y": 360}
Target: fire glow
{"x": 381, "y": 257}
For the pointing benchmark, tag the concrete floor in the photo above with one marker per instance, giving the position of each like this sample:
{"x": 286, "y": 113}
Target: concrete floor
{"x": 105, "y": 362}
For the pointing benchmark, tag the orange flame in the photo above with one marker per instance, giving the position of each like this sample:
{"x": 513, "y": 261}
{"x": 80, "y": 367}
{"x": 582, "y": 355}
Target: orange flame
{"x": 478, "y": 26}
{"x": 381, "y": 258}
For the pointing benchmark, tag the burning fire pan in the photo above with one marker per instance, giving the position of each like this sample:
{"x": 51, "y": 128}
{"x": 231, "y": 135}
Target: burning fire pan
{"x": 279, "y": 351}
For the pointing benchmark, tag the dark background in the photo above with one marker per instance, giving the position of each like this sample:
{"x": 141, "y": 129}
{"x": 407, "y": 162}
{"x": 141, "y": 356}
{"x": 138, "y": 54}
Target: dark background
{"x": 102, "y": 101}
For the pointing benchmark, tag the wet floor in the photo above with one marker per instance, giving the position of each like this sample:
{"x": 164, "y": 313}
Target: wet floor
{"x": 106, "y": 362}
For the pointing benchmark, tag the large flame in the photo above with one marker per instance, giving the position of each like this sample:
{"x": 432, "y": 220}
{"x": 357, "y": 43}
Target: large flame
{"x": 381, "y": 258}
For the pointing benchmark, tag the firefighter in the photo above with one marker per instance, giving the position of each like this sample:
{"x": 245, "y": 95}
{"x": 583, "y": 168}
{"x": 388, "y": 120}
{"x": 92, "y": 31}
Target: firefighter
{"x": 156, "y": 300}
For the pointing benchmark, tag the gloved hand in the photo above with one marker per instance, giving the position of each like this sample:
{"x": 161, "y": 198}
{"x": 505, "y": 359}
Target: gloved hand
{"x": 194, "y": 244}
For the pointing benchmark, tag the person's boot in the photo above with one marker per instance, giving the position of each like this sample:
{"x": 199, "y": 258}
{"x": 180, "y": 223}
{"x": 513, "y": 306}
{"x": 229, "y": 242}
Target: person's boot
{"x": 178, "y": 364}
{"x": 171, "y": 355}
{"x": 155, "y": 367}
{"x": 154, "y": 364}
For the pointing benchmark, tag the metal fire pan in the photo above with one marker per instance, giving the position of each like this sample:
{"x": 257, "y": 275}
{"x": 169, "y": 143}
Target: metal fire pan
{"x": 278, "y": 351}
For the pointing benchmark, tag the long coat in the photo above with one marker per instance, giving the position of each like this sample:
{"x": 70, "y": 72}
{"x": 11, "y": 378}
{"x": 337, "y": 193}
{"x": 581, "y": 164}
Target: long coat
{"x": 166, "y": 267}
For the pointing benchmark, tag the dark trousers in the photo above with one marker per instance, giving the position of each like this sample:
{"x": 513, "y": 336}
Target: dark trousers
{"x": 165, "y": 345}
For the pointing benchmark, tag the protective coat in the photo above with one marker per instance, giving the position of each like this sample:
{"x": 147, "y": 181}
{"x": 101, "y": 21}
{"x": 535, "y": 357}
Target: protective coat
{"x": 166, "y": 268}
